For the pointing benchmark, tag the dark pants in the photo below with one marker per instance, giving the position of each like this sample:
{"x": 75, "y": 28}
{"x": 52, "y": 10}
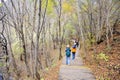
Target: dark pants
{"x": 73, "y": 55}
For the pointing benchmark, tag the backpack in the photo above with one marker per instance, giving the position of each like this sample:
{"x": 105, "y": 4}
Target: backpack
{"x": 68, "y": 51}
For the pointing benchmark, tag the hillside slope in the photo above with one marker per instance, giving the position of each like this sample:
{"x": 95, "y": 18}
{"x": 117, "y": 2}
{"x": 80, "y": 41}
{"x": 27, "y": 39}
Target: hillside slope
{"x": 105, "y": 63}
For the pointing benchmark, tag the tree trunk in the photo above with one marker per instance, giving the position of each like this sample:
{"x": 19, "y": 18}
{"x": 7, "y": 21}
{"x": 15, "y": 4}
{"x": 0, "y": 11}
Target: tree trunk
{"x": 59, "y": 24}
{"x": 81, "y": 29}
{"x": 11, "y": 56}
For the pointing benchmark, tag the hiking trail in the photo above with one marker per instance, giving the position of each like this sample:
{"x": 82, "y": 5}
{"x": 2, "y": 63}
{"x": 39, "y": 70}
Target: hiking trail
{"x": 76, "y": 70}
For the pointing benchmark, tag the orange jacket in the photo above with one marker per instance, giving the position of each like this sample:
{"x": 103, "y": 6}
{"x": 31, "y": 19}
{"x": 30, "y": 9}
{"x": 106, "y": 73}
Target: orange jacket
{"x": 73, "y": 50}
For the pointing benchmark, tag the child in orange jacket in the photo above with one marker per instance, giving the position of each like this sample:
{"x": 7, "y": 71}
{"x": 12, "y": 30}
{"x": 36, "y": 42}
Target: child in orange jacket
{"x": 73, "y": 50}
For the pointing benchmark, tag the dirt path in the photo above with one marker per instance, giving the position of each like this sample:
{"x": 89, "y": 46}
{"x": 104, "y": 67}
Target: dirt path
{"x": 75, "y": 71}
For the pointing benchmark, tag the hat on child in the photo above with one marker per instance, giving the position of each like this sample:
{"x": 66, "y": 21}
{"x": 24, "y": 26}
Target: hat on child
{"x": 68, "y": 45}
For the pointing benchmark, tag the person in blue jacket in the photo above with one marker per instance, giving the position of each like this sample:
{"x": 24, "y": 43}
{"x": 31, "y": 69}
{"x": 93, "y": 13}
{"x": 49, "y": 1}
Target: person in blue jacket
{"x": 68, "y": 54}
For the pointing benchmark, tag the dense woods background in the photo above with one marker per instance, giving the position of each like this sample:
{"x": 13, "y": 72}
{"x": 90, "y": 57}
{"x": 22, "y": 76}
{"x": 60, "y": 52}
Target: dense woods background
{"x": 36, "y": 32}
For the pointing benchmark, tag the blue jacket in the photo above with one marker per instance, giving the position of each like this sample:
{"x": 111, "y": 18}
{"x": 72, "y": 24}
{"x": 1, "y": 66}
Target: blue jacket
{"x": 68, "y": 51}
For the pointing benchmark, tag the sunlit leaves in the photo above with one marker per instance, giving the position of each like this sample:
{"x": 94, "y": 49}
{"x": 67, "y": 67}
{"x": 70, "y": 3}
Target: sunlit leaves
{"x": 1, "y": 4}
{"x": 67, "y": 7}
{"x": 17, "y": 49}
{"x": 84, "y": 7}
{"x": 103, "y": 56}
{"x": 70, "y": 27}
{"x": 69, "y": 30}
{"x": 42, "y": 79}
{"x": 47, "y": 69}
{"x": 50, "y": 6}
{"x": 1, "y": 64}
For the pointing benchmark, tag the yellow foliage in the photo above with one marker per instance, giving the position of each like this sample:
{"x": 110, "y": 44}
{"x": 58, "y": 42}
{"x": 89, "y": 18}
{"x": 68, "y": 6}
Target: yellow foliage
{"x": 84, "y": 8}
{"x": 47, "y": 69}
{"x": 17, "y": 49}
{"x": 50, "y": 6}
{"x": 103, "y": 56}
{"x": 67, "y": 7}
{"x": 1, "y": 4}
{"x": 42, "y": 79}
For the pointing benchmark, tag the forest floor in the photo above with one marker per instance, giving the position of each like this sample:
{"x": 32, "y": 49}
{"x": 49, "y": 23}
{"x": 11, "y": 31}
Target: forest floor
{"x": 105, "y": 63}
{"x": 52, "y": 73}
